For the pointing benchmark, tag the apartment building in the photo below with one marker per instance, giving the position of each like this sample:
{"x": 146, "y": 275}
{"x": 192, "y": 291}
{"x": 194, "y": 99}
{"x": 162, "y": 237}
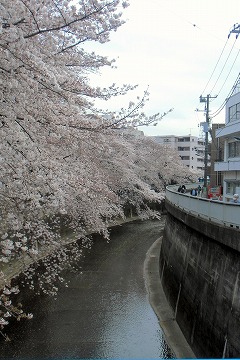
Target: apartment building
{"x": 191, "y": 150}
{"x": 230, "y": 134}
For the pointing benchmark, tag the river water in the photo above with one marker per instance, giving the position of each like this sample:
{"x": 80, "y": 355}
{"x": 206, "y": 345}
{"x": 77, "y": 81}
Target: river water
{"x": 104, "y": 313}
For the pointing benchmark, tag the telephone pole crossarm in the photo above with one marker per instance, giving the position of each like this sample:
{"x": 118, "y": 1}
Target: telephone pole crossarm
{"x": 235, "y": 30}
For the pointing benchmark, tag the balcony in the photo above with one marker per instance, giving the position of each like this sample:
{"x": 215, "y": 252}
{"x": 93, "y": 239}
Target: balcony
{"x": 227, "y": 165}
{"x": 230, "y": 130}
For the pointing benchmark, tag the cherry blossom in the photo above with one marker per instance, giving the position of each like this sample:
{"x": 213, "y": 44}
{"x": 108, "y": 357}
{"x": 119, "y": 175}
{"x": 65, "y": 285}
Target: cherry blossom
{"x": 67, "y": 168}
{"x": 3, "y": 322}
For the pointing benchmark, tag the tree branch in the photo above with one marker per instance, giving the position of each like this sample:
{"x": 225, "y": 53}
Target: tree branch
{"x": 86, "y": 39}
{"x": 26, "y": 132}
{"x": 60, "y": 27}
{"x": 31, "y": 13}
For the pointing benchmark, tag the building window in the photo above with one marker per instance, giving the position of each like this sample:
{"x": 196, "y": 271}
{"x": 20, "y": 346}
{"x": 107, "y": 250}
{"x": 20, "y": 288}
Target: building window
{"x": 181, "y": 148}
{"x": 186, "y": 139}
{"x": 185, "y": 157}
{"x": 234, "y": 113}
{"x": 234, "y": 149}
{"x": 232, "y": 187}
{"x": 166, "y": 140}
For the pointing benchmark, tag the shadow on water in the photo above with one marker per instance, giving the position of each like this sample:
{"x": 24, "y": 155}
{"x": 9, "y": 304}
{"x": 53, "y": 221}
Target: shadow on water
{"x": 103, "y": 313}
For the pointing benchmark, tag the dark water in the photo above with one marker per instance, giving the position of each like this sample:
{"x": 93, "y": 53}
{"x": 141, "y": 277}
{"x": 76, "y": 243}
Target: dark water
{"x": 104, "y": 313}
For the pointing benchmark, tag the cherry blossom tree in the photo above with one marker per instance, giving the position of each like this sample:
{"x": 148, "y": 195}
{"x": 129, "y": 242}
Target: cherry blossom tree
{"x": 67, "y": 168}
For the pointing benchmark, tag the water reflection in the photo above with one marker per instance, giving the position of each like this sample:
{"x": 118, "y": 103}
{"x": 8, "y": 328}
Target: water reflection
{"x": 133, "y": 331}
{"x": 104, "y": 313}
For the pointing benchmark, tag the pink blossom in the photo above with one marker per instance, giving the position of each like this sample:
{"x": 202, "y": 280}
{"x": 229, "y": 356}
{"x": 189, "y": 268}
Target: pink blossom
{"x": 3, "y": 322}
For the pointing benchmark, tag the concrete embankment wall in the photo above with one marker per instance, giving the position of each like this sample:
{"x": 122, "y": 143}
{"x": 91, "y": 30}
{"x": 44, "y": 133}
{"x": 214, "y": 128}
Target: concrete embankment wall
{"x": 200, "y": 273}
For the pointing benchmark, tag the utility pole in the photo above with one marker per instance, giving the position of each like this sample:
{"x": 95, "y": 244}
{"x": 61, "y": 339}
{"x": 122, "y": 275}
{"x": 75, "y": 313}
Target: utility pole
{"x": 235, "y": 30}
{"x": 206, "y": 130}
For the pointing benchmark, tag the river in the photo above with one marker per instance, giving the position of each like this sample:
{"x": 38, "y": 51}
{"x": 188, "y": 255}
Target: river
{"x": 103, "y": 313}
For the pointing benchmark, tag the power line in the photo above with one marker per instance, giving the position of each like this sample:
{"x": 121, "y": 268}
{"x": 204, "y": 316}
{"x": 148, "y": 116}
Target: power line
{"x": 229, "y": 72}
{"x": 215, "y": 66}
{"x": 236, "y": 29}
{"x": 223, "y": 66}
{"x": 229, "y": 95}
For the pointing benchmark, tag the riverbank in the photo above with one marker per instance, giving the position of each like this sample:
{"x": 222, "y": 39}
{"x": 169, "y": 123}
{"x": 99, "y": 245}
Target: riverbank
{"x": 15, "y": 267}
{"x": 172, "y": 332}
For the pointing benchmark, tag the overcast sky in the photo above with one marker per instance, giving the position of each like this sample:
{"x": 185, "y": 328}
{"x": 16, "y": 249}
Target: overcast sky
{"x": 181, "y": 50}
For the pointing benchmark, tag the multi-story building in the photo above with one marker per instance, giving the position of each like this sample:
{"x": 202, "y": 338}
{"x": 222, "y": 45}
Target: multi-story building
{"x": 217, "y": 154}
{"x": 191, "y": 150}
{"x": 230, "y": 134}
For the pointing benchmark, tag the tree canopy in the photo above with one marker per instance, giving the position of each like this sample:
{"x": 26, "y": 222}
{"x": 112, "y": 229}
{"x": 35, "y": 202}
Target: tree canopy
{"x": 63, "y": 161}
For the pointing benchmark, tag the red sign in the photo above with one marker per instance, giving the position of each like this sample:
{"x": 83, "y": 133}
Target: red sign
{"x": 214, "y": 192}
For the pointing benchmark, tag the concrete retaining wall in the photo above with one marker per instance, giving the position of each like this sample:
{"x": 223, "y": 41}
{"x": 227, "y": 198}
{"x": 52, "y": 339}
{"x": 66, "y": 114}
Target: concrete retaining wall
{"x": 200, "y": 273}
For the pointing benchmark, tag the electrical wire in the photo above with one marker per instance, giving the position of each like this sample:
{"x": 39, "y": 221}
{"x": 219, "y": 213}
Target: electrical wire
{"x": 236, "y": 82}
{"x": 217, "y": 112}
{"x": 229, "y": 72}
{"x": 223, "y": 67}
{"x": 215, "y": 66}
{"x": 229, "y": 95}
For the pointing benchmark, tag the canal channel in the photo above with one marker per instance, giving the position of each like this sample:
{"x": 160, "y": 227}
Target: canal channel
{"x": 104, "y": 312}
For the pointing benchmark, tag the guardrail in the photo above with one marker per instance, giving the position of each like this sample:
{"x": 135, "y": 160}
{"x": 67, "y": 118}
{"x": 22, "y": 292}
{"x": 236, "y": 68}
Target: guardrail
{"x": 219, "y": 212}
{"x": 226, "y": 166}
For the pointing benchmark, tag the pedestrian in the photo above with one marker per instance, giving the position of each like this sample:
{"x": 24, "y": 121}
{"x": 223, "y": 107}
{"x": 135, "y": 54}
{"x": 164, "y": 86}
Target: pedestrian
{"x": 183, "y": 189}
{"x": 235, "y": 199}
{"x": 199, "y": 190}
{"x": 194, "y": 192}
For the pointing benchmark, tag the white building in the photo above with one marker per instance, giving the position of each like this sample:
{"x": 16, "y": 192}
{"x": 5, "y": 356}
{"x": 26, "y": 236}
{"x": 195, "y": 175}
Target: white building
{"x": 230, "y": 167}
{"x": 190, "y": 148}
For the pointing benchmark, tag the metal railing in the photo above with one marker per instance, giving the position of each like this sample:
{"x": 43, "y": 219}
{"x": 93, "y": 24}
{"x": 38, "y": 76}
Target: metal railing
{"x": 219, "y": 212}
{"x": 227, "y": 165}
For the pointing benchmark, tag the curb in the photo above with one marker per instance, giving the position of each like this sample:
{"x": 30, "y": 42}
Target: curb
{"x": 172, "y": 332}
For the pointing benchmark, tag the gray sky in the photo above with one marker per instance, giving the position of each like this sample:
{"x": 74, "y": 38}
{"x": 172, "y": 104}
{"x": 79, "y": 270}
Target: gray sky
{"x": 173, "y": 46}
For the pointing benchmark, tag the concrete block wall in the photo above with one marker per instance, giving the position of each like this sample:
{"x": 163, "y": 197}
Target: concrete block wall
{"x": 200, "y": 273}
